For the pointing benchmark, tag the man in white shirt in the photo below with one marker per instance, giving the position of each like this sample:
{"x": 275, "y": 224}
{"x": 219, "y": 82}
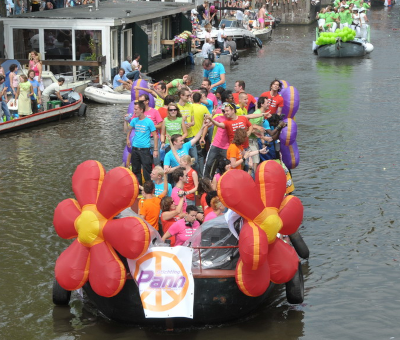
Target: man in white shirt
{"x": 221, "y": 37}
{"x": 239, "y": 17}
{"x": 53, "y": 89}
{"x": 135, "y": 62}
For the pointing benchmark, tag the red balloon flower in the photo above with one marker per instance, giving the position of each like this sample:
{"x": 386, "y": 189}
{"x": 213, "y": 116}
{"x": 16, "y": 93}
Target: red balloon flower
{"x": 262, "y": 203}
{"x": 89, "y": 219}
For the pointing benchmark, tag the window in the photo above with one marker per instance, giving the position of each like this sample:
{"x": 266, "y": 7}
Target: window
{"x": 127, "y": 44}
{"x": 25, "y": 40}
{"x": 114, "y": 48}
{"x": 155, "y": 39}
{"x": 58, "y": 46}
{"x": 166, "y": 29}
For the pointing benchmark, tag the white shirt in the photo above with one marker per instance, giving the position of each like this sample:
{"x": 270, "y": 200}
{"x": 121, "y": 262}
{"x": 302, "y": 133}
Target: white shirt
{"x": 135, "y": 65}
{"x": 53, "y": 88}
{"x": 220, "y": 33}
{"x": 239, "y": 15}
{"x": 205, "y": 49}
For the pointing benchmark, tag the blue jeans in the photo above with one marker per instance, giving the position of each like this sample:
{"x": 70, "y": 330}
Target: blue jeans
{"x": 59, "y": 3}
{"x": 212, "y": 155}
{"x": 134, "y": 75}
{"x": 4, "y": 107}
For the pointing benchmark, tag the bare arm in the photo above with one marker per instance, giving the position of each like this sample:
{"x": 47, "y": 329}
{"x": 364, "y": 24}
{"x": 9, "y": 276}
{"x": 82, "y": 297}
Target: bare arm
{"x": 166, "y": 215}
{"x": 196, "y": 183}
{"x": 218, "y": 124}
{"x": 184, "y": 129}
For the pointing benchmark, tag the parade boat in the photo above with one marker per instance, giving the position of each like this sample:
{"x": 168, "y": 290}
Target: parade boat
{"x": 104, "y": 94}
{"x": 212, "y": 278}
{"x": 75, "y": 105}
{"x": 340, "y": 48}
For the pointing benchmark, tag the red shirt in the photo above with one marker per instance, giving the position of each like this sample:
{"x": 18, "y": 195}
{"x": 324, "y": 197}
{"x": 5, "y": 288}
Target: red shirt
{"x": 277, "y": 101}
{"x": 189, "y": 185}
{"x": 241, "y": 122}
{"x": 249, "y": 96}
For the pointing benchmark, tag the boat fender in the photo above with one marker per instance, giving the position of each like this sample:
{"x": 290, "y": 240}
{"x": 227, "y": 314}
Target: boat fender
{"x": 299, "y": 245}
{"x": 295, "y": 288}
{"x": 258, "y": 42}
{"x": 369, "y": 47}
{"x": 82, "y": 110}
{"x": 61, "y": 296}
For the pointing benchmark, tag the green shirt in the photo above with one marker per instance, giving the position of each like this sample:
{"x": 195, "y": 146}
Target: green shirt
{"x": 173, "y": 127}
{"x": 257, "y": 121}
{"x": 174, "y": 89}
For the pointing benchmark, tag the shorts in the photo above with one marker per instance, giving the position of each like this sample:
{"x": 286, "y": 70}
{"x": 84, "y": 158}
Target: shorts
{"x": 261, "y": 20}
{"x": 119, "y": 88}
{"x": 253, "y": 146}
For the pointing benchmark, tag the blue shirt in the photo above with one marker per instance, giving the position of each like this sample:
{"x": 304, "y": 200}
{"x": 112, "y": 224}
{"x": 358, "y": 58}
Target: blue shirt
{"x": 143, "y": 129}
{"x": 159, "y": 188}
{"x": 126, "y": 65}
{"x": 116, "y": 83}
{"x": 215, "y": 75}
{"x": 170, "y": 159}
{"x": 35, "y": 85}
{"x": 209, "y": 106}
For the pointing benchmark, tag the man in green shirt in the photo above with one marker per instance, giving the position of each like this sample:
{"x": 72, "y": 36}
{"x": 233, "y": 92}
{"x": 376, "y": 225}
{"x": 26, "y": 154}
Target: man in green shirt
{"x": 174, "y": 86}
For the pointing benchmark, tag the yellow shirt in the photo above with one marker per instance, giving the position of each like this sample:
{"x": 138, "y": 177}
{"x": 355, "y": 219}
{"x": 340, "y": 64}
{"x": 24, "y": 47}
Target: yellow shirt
{"x": 187, "y": 111}
{"x": 241, "y": 112}
{"x": 199, "y": 112}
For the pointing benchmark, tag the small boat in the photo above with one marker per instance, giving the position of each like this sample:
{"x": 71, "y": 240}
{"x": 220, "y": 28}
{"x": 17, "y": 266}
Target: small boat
{"x": 104, "y": 94}
{"x": 357, "y": 47}
{"x": 75, "y": 106}
{"x": 243, "y": 37}
{"x": 263, "y": 33}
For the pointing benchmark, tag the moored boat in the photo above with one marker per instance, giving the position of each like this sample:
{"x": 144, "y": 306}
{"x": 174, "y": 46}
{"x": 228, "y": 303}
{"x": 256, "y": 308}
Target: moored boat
{"x": 104, "y": 94}
{"x": 75, "y": 106}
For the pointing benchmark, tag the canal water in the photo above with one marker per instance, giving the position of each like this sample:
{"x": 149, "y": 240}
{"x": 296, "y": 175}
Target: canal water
{"x": 348, "y": 181}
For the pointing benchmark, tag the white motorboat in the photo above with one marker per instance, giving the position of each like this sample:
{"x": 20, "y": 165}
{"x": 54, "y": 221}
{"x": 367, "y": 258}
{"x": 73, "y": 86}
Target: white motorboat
{"x": 69, "y": 83}
{"x": 104, "y": 94}
{"x": 243, "y": 37}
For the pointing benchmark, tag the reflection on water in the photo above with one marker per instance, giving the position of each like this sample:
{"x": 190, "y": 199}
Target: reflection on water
{"x": 347, "y": 180}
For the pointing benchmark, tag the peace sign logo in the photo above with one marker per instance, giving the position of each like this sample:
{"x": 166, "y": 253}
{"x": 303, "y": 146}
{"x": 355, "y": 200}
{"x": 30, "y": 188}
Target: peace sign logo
{"x": 159, "y": 286}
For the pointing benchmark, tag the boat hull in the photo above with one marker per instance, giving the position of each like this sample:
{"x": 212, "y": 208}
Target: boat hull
{"x": 216, "y": 300}
{"x": 41, "y": 117}
{"x": 343, "y": 50}
{"x": 104, "y": 97}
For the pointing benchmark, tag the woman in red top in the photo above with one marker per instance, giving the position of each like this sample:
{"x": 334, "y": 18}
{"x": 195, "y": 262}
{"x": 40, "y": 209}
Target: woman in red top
{"x": 190, "y": 187}
{"x": 204, "y": 188}
{"x": 170, "y": 214}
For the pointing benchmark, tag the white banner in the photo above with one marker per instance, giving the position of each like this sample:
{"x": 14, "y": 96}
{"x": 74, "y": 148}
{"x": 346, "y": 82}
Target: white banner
{"x": 165, "y": 281}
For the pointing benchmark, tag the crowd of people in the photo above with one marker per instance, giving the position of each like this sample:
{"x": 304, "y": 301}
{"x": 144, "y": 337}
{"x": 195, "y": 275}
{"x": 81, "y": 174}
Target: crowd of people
{"x": 351, "y": 13}
{"x": 24, "y": 94}
{"x": 16, "y": 7}
{"x": 182, "y": 146}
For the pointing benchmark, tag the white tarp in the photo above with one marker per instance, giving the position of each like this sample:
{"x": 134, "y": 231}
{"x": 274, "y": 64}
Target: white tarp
{"x": 165, "y": 281}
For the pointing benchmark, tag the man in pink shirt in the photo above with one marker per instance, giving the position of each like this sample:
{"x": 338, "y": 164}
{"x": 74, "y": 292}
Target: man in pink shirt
{"x": 155, "y": 116}
{"x": 184, "y": 228}
{"x": 207, "y": 85}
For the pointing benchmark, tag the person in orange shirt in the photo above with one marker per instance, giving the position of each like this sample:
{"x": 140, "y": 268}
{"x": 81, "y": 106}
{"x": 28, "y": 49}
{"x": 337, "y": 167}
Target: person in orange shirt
{"x": 149, "y": 206}
{"x": 235, "y": 152}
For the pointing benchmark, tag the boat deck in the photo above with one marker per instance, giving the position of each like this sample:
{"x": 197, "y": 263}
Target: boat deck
{"x": 165, "y": 63}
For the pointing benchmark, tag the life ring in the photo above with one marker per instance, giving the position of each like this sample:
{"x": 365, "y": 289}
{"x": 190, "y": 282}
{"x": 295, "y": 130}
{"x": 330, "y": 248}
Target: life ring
{"x": 258, "y": 42}
{"x": 61, "y": 296}
{"x": 82, "y": 110}
{"x": 295, "y": 288}
{"x": 299, "y": 245}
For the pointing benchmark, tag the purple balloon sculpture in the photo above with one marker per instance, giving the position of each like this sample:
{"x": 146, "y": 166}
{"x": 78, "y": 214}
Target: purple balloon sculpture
{"x": 136, "y": 93}
{"x": 291, "y": 101}
{"x": 289, "y": 133}
{"x": 285, "y": 84}
{"x": 127, "y": 150}
{"x": 290, "y": 155}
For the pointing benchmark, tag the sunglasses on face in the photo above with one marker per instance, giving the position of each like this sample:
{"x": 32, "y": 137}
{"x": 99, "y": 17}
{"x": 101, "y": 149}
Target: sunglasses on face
{"x": 172, "y": 110}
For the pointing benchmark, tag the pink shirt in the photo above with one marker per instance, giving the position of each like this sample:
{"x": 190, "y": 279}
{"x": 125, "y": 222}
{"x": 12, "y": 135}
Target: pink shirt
{"x": 182, "y": 232}
{"x": 221, "y": 139}
{"x": 154, "y": 115}
{"x": 213, "y": 98}
{"x": 210, "y": 216}
{"x": 176, "y": 198}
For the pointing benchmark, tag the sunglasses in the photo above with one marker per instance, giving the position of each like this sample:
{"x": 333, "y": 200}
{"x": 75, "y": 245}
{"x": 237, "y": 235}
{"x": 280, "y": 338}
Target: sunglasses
{"x": 172, "y": 110}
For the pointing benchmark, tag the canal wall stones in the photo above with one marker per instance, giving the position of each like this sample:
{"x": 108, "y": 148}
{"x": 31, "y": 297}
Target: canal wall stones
{"x": 302, "y": 14}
